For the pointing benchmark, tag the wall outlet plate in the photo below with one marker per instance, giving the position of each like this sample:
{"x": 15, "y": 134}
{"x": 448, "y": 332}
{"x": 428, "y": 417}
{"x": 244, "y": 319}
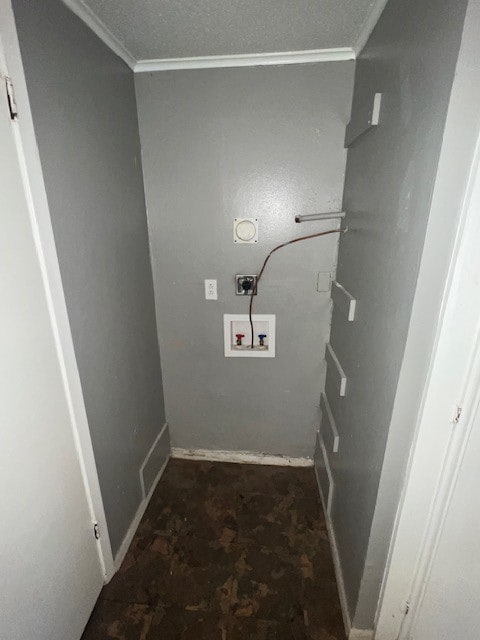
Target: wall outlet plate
{"x": 211, "y": 290}
{"x": 239, "y": 279}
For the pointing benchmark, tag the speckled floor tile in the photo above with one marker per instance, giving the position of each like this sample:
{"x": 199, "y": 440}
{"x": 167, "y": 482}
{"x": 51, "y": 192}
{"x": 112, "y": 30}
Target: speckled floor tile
{"x": 119, "y": 620}
{"x": 225, "y": 551}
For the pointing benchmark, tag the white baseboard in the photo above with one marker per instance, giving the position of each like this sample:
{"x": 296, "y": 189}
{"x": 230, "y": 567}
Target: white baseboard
{"x": 127, "y": 540}
{"x": 241, "y": 457}
{"x": 360, "y": 634}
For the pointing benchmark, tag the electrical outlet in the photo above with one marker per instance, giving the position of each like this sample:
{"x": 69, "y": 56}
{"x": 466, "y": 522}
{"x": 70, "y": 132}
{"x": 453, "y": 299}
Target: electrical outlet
{"x": 211, "y": 290}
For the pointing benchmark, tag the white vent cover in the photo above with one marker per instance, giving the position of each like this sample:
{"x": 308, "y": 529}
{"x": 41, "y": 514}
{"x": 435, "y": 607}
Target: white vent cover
{"x": 245, "y": 230}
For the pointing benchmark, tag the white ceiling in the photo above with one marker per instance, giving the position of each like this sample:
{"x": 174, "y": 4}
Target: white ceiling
{"x": 159, "y": 29}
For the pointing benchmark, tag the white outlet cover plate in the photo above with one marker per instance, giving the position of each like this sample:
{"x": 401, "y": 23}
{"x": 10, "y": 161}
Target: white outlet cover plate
{"x": 245, "y": 230}
{"x": 211, "y": 290}
{"x": 233, "y": 322}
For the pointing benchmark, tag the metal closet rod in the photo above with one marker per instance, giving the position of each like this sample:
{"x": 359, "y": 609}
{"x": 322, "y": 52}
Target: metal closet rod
{"x": 320, "y": 216}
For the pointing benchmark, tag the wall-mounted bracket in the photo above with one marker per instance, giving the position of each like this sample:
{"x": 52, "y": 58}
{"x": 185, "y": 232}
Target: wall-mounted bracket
{"x": 334, "y": 368}
{"x": 311, "y": 217}
{"x": 328, "y": 428}
{"x": 344, "y": 301}
{"x": 324, "y": 474}
{"x": 364, "y": 117}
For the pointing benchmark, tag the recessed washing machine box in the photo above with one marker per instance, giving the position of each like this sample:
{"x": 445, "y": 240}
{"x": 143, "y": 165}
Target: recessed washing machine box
{"x": 237, "y": 335}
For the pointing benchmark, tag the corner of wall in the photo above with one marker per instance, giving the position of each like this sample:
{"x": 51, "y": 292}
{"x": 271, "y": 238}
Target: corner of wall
{"x": 150, "y": 473}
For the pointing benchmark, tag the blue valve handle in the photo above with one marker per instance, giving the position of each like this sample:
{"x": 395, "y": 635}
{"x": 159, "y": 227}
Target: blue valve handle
{"x": 261, "y": 337}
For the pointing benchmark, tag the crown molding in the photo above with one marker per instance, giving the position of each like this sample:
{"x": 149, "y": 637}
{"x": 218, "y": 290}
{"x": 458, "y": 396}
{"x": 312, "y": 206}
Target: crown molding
{"x": 246, "y": 60}
{"x": 85, "y": 14}
{"x": 369, "y": 25}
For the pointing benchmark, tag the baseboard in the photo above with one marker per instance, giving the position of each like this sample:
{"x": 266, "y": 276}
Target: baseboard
{"x": 360, "y": 634}
{"x": 240, "y": 457}
{"x": 127, "y": 540}
{"x": 337, "y": 566}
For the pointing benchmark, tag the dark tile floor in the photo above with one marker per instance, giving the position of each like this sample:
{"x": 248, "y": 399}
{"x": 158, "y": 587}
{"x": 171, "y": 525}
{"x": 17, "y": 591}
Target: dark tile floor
{"x": 225, "y": 552}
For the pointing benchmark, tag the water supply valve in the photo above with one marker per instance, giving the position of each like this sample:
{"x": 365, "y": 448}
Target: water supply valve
{"x": 239, "y": 337}
{"x": 261, "y": 338}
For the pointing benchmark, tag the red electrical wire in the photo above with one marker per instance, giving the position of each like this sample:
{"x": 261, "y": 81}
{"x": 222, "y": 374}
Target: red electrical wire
{"x": 280, "y": 246}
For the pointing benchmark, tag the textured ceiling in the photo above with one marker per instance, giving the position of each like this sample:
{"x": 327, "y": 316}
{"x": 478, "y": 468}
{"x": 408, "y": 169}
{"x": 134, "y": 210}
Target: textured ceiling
{"x": 184, "y": 28}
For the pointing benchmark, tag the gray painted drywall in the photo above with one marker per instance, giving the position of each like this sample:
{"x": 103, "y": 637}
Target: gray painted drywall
{"x": 84, "y": 112}
{"x": 460, "y": 137}
{"x": 388, "y": 192}
{"x": 165, "y": 29}
{"x": 216, "y": 144}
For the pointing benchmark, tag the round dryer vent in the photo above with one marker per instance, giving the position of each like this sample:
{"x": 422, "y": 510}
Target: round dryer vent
{"x": 245, "y": 230}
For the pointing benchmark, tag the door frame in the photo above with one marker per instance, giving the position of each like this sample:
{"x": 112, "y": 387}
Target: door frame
{"x": 449, "y": 404}
{"x": 36, "y": 196}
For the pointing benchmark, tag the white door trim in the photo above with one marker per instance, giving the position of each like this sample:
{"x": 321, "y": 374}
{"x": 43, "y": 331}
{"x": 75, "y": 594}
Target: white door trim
{"x": 449, "y": 402}
{"x": 29, "y": 159}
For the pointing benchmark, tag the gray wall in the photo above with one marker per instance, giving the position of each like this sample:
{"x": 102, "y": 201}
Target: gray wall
{"x": 84, "y": 111}
{"x": 388, "y": 191}
{"x": 216, "y": 144}
{"x": 451, "y": 185}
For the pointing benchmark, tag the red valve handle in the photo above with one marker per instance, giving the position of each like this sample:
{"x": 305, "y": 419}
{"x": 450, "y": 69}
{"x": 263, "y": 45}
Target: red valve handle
{"x": 239, "y": 335}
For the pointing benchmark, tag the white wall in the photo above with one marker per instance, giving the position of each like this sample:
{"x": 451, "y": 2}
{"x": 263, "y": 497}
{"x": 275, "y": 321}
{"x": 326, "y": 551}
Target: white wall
{"x": 450, "y": 603}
